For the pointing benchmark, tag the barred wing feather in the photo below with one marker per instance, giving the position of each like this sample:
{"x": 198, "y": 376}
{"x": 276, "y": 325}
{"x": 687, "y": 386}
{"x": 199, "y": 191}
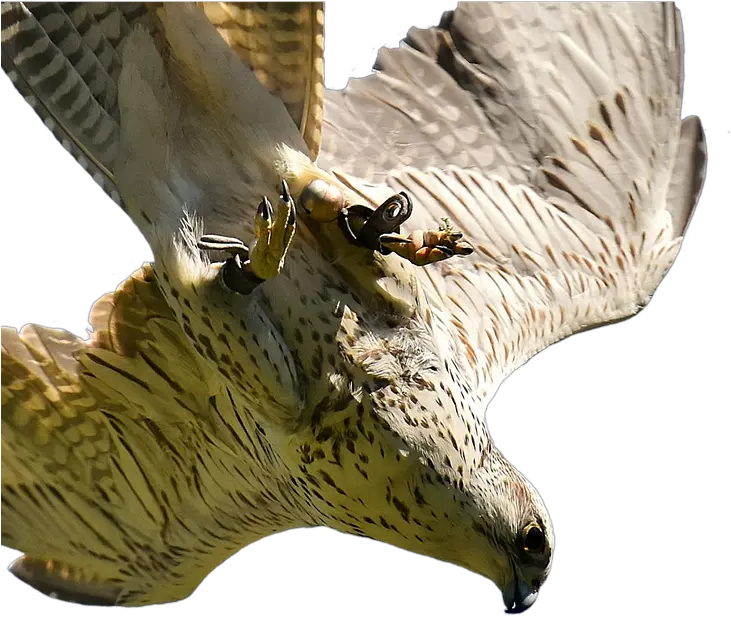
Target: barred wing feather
{"x": 65, "y": 59}
{"x": 549, "y": 134}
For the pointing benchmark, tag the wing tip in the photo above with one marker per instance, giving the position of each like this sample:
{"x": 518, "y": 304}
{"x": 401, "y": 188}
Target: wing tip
{"x": 689, "y": 173}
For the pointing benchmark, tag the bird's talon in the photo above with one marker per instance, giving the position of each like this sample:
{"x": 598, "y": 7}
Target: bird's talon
{"x": 286, "y": 199}
{"x": 213, "y": 242}
{"x": 284, "y": 191}
{"x": 264, "y": 213}
{"x": 274, "y": 232}
{"x": 274, "y": 228}
{"x": 426, "y": 247}
{"x": 235, "y": 272}
{"x": 394, "y": 238}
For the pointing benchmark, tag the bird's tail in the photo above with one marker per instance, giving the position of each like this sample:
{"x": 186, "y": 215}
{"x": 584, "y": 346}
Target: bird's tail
{"x": 87, "y": 448}
{"x": 55, "y": 448}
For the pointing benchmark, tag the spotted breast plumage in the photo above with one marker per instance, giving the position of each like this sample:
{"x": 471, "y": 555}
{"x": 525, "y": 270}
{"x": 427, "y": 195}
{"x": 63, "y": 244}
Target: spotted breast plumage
{"x": 334, "y": 299}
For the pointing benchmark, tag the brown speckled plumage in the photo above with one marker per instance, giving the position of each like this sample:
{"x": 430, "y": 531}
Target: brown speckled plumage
{"x": 348, "y": 388}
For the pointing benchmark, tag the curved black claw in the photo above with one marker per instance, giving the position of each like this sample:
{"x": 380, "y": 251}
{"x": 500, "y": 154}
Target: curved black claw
{"x": 235, "y": 272}
{"x": 364, "y": 226}
{"x": 214, "y": 242}
{"x": 284, "y": 191}
{"x": 286, "y": 197}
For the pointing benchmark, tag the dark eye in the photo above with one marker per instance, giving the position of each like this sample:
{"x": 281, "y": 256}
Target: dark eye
{"x": 534, "y": 540}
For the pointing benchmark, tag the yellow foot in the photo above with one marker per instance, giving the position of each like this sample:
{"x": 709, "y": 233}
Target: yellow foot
{"x": 427, "y": 247}
{"x": 274, "y": 232}
{"x": 273, "y": 229}
{"x": 378, "y": 230}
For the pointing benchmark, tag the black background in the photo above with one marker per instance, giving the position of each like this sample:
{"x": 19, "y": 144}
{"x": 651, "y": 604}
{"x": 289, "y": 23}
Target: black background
{"x": 604, "y": 423}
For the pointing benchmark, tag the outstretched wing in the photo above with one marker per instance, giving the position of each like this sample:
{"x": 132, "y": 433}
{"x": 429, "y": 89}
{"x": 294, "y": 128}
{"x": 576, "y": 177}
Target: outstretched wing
{"x": 65, "y": 59}
{"x": 83, "y": 426}
{"x": 549, "y": 134}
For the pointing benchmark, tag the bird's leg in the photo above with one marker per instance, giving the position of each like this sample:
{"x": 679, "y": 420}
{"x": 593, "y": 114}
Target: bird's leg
{"x": 274, "y": 229}
{"x": 378, "y": 230}
{"x": 426, "y": 247}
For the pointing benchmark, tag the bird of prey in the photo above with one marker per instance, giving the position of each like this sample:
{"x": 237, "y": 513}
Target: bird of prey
{"x": 334, "y": 299}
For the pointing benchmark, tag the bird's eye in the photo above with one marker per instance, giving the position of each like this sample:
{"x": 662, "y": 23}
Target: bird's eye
{"x": 534, "y": 540}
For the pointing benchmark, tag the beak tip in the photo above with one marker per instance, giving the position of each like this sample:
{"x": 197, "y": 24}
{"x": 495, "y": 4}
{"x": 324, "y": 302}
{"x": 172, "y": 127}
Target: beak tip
{"x": 518, "y": 597}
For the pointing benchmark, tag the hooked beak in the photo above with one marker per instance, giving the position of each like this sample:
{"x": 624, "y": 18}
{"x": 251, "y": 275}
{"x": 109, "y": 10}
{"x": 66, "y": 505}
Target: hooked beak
{"x": 518, "y": 596}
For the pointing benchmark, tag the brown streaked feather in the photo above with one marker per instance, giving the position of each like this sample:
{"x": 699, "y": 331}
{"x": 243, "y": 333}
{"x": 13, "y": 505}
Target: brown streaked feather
{"x": 83, "y": 425}
{"x": 70, "y": 75}
{"x": 64, "y": 59}
{"x": 283, "y": 43}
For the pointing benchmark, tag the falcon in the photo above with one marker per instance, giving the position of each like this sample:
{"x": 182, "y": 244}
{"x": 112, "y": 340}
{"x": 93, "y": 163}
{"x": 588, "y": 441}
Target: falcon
{"x": 336, "y": 295}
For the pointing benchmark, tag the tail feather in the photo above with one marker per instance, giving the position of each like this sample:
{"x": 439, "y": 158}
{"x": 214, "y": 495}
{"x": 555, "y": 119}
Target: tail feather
{"x": 64, "y": 582}
{"x": 92, "y": 434}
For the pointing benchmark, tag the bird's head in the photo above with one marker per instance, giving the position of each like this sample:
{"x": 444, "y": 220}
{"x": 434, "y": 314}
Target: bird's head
{"x": 518, "y": 528}
{"x": 486, "y": 516}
